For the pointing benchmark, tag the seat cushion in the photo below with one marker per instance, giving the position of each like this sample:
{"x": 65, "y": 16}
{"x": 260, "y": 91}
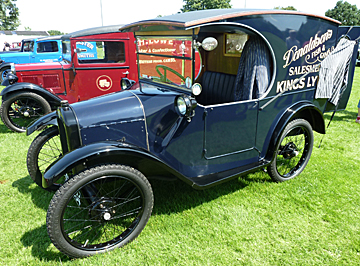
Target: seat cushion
{"x": 217, "y": 88}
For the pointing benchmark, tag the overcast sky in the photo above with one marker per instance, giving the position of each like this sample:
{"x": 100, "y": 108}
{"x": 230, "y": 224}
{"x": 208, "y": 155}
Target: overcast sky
{"x": 72, "y": 15}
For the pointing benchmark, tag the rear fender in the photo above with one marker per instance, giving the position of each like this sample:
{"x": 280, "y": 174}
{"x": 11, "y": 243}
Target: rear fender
{"x": 304, "y": 110}
{"x": 44, "y": 121}
{"x": 53, "y": 99}
{"x": 108, "y": 152}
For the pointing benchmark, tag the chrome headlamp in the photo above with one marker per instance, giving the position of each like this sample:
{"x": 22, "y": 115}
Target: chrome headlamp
{"x": 10, "y": 79}
{"x": 185, "y": 105}
{"x": 126, "y": 83}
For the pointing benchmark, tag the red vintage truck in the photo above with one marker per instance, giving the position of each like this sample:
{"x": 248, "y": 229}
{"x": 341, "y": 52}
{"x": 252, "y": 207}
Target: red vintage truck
{"x": 94, "y": 62}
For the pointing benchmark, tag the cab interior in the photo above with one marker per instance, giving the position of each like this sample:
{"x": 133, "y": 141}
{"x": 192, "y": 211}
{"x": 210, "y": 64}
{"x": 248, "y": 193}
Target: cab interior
{"x": 240, "y": 68}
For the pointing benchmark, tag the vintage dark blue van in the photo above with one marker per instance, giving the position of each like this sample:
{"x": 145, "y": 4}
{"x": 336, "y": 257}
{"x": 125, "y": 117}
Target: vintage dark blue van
{"x": 253, "y": 104}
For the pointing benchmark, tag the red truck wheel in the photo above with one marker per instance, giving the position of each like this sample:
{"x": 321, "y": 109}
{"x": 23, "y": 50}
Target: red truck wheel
{"x": 22, "y": 108}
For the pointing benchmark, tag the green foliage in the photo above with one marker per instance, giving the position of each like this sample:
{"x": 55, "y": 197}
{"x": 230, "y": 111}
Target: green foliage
{"x": 55, "y": 32}
{"x": 9, "y": 15}
{"x": 192, "y": 5}
{"x": 347, "y": 14}
{"x": 286, "y": 8}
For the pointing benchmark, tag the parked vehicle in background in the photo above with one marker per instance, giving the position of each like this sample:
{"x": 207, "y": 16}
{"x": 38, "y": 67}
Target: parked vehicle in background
{"x": 48, "y": 49}
{"x": 15, "y": 46}
{"x": 93, "y": 63}
{"x": 253, "y": 104}
{"x": 15, "y": 37}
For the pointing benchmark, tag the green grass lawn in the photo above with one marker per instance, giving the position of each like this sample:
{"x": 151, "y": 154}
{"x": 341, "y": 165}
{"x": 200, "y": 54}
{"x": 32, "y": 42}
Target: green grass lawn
{"x": 311, "y": 220}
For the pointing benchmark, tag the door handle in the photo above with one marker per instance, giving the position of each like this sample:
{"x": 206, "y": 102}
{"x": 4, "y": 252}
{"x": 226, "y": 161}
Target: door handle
{"x": 126, "y": 73}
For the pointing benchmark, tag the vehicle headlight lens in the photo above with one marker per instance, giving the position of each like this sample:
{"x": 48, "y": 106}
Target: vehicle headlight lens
{"x": 126, "y": 83}
{"x": 181, "y": 105}
{"x": 12, "y": 78}
{"x": 185, "y": 105}
{"x": 196, "y": 89}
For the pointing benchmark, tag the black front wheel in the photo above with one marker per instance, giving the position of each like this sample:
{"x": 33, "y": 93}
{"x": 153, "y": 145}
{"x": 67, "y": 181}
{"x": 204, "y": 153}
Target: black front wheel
{"x": 293, "y": 151}
{"x": 98, "y": 210}
{"x": 22, "y": 108}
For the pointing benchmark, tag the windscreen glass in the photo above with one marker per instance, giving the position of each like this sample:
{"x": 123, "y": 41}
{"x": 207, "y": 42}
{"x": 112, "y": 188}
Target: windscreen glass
{"x": 167, "y": 60}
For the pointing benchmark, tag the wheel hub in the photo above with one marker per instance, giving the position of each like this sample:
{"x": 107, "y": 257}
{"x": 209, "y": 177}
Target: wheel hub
{"x": 26, "y": 111}
{"x": 102, "y": 209}
{"x": 289, "y": 151}
{"x": 106, "y": 216}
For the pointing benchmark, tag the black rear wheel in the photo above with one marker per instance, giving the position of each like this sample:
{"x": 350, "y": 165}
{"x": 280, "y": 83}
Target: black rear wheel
{"x": 22, "y": 108}
{"x": 98, "y": 210}
{"x": 293, "y": 151}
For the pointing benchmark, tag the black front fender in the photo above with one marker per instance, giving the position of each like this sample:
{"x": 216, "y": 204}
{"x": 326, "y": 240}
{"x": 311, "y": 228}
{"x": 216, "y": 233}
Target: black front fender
{"x": 42, "y": 122}
{"x": 108, "y": 152}
{"x": 29, "y": 87}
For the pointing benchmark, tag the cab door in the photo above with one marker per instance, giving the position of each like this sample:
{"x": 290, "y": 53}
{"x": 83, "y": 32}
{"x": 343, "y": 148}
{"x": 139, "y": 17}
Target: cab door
{"x": 47, "y": 51}
{"x": 99, "y": 67}
{"x": 230, "y": 129}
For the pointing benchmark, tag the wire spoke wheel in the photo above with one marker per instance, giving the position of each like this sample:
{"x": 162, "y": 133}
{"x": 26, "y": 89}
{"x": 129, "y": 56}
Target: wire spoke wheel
{"x": 23, "y": 108}
{"x": 293, "y": 151}
{"x": 23, "y": 111}
{"x": 98, "y": 210}
{"x": 43, "y": 151}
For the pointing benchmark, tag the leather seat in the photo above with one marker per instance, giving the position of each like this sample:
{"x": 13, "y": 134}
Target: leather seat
{"x": 217, "y": 88}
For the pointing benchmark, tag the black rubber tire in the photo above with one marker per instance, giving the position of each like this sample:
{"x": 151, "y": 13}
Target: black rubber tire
{"x": 3, "y": 73}
{"x": 14, "y": 109}
{"x": 43, "y": 151}
{"x": 292, "y": 152}
{"x": 101, "y": 222}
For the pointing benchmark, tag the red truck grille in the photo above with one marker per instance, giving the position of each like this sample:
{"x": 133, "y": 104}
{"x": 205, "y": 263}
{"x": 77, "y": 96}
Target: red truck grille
{"x": 51, "y": 81}
{"x": 46, "y": 81}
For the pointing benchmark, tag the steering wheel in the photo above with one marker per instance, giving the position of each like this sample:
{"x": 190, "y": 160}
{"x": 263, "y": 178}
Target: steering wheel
{"x": 163, "y": 77}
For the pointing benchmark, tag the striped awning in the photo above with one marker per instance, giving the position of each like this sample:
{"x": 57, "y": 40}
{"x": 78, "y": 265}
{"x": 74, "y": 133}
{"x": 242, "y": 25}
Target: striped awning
{"x": 334, "y": 71}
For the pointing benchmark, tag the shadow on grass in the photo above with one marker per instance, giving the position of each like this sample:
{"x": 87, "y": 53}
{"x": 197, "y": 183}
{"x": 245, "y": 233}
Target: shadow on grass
{"x": 40, "y": 197}
{"x": 170, "y": 196}
{"x": 176, "y": 196}
{"x": 39, "y": 242}
{"x": 4, "y": 129}
{"x": 38, "y": 238}
{"x": 341, "y": 116}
